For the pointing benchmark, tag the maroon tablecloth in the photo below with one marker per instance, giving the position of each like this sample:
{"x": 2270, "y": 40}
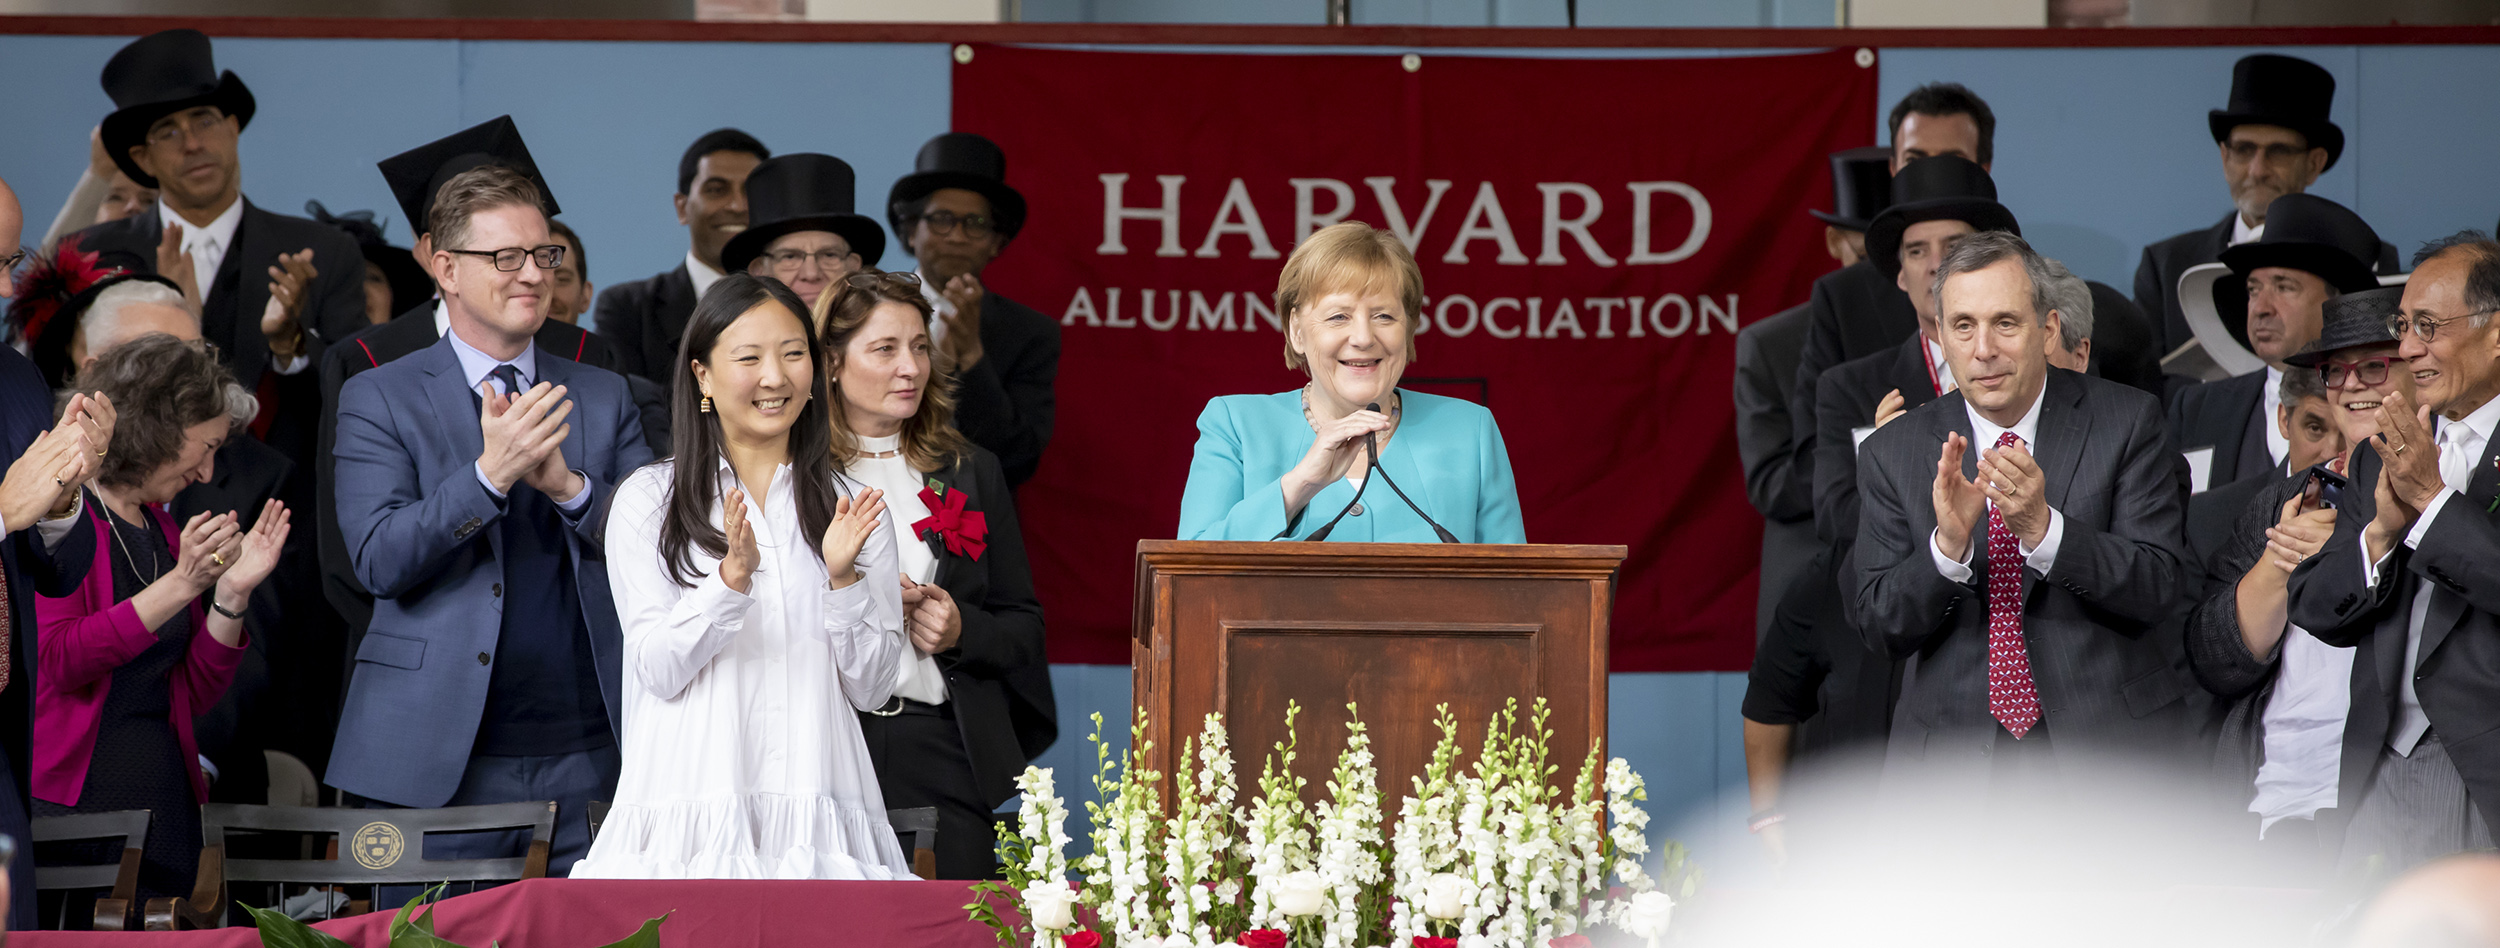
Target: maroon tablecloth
{"x": 583, "y": 913}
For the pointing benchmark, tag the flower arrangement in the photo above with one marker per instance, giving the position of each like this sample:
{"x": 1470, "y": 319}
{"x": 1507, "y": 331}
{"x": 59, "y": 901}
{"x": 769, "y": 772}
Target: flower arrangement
{"x": 1494, "y": 854}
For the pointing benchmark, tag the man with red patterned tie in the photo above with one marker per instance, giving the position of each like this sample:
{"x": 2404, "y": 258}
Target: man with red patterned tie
{"x": 2017, "y": 539}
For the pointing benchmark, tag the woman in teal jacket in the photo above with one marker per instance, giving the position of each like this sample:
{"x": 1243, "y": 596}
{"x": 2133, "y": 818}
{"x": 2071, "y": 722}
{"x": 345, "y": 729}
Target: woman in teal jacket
{"x": 1282, "y": 466}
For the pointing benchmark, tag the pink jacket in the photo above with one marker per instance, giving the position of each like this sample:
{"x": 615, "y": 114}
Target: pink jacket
{"x": 79, "y": 640}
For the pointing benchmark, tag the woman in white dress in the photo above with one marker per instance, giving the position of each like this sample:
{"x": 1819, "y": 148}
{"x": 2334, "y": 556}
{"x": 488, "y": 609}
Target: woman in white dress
{"x": 761, "y": 606}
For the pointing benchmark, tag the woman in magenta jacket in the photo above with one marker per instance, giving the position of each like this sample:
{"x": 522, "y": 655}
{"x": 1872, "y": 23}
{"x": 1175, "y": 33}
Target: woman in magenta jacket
{"x": 152, "y": 638}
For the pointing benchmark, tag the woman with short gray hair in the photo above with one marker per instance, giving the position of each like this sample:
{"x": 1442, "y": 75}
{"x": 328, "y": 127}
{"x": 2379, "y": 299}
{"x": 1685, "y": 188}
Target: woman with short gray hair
{"x": 122, "y": 666}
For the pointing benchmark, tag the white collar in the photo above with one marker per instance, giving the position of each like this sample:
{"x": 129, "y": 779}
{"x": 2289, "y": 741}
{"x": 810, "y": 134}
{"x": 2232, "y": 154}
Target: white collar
{"x": 2242, "y": 233}
{"x": 702, "y": 274}
{"x": 476, "y": 366}
{"x": 1984, "y": 433}
{"x": 2480, "y": 421}
{"x": 1937, "y": 370}
{"x": 442, "y": 318}
{"x": 221, "y": 230}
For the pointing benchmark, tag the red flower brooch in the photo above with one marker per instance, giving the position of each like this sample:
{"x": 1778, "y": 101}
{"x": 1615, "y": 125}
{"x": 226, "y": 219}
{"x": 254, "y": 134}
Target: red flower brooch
{"x": 966, "y": 531}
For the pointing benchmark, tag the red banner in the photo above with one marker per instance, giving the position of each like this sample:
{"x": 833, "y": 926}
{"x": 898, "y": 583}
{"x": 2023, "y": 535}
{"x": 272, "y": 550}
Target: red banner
{"x": 1591, "y": 232}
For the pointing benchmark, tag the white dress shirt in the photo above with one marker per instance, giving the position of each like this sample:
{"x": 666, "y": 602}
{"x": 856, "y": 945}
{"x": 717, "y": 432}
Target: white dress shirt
{"x": 1985, "y": 434}
{"x": 702, "y": 274}
{"x": 2242, "y": 233}
{"x": 207, "y": 246}
{"x": 2461, "y": 445}
{"x": 2303, "y": 727}
{"x": 917, "y": 676}
{"x": 476, "y": 367}
{"x": 1938, "y": 367}
{"x": 2277, "y": 445}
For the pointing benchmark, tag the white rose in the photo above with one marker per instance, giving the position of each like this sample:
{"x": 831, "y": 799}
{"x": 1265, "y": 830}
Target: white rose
{"x": 1647, "y": 916}
{"x": 1051, "y": 906}
{"x": 1178, "y": 940}
{"x": 1300, "y": 893}
{"x": 1445, "y": 896}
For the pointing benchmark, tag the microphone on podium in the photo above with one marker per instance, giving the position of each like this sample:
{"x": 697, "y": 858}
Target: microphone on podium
{"x": 1383, "y": 474}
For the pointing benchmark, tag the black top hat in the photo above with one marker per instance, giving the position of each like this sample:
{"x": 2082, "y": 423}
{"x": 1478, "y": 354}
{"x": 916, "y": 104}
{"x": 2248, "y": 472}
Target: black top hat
{"x": 2310, "y": 233}
{"x": 1941, "y": 188}
{"x": 2267, "y": 89}
{"x": 960, "y": 160}
{"x": 418, "y": 174}
{"x": 796, "y": 192}
{"x": 410, "y": 285}
{"x": 2353, "y": 319}
{"x": 158, "y": 75}
{"x": 1861, "y": 187}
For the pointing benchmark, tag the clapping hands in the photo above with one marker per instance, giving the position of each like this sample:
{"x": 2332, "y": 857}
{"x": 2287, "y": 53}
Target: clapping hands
{"x": 854, "y": 518}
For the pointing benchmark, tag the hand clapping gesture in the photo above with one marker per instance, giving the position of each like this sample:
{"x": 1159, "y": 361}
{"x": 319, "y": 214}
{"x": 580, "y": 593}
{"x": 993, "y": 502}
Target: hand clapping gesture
{"x": 1959, "y": 502}
{"x": 737, "y": 565}
{"x": 525, "y": 439}
{"x": 2408, "y": 472}
{"x": 208, "y": 552}
{"x": 281, "y": 321}
{"x": 45, "y": 480}
{"x": 2013, "y": 480}
{"x": 854, "y": 518}
{"x": 963, "y": 329}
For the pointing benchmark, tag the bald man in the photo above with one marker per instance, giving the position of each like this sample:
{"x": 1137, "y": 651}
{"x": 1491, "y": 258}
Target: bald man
{"x": 11, "y": 219}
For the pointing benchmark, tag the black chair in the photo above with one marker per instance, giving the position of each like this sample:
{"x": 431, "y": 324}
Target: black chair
{"x": 116, "y": 911}
{"x": 916, "y": 829}
{"x": 369, "y": 847}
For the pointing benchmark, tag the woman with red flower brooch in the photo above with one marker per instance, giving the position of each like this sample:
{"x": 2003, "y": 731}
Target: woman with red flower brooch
{"x": 972, "y": 701}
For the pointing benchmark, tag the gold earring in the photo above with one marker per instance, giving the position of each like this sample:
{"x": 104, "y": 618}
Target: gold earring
{"x": 707, "y": 404}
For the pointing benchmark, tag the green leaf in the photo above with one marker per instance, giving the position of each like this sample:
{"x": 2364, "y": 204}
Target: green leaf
{"x": 648, "y": 936}
{"x": 279, "y": 931}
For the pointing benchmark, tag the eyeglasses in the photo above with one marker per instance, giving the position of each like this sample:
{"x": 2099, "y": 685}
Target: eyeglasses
{"x": 868, "y": 280}
{"x": 509, "y": 259}
{"x": 2426, "y": 328}
{"x": 198, "y": 122}
{"x": 943, "y": 222}
{"x": 2369, "y": 371}
{"x": 2277, "y": 151}
{"x": 826, "y": 260}
{"x": 11, "y": 261}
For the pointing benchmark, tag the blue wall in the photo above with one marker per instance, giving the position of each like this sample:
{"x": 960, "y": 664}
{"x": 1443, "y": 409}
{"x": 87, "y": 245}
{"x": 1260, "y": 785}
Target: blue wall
{"x": 2099, "y": 152}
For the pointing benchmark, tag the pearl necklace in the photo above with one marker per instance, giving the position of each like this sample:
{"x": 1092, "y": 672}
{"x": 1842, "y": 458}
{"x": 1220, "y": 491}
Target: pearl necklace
{"x": 1313, "y": 420}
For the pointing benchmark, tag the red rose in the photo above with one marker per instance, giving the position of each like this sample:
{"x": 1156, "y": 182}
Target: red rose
{"x": 1568, "y": 941}
{"x": 1262, "y": 938}
{"x": 1084, "y": 939}
{"x": 1427, "y": 941}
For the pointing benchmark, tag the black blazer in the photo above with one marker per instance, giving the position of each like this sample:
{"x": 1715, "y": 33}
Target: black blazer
{"x": 1006, "y": 402}
{"x": 1846, "y": 402}
{"x": 2223, "y": 416}
{"x": 2457, "y": 674}
{"x": 292, "y": 638}
{"x": 997, "y": 676}
{"x": 334, "y": 308}
{"x": 2219, "y": 656}
{"x": 2157, "y": 275}
{"x": 372, "y": 347}
{"x": 26, "y": 412}
{"x": 645, "y": 320}
{"x": 2105, "y": 687}
{"x": 2214, "y": 526}
{"x": 1766, "y": 373}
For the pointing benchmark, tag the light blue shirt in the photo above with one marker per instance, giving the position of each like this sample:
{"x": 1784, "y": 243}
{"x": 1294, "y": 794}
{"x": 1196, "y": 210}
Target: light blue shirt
{"x": 1448, "y": 455}
{"x": 476, "y": 367}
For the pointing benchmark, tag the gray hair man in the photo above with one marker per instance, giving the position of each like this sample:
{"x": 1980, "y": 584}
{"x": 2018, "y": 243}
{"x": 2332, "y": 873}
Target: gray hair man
{"x": 2013, "y": 562}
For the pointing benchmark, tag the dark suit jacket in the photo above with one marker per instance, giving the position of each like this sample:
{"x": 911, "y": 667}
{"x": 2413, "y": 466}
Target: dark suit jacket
{"x": 295, "y": 646}
{"x": 2125, "y": 342}
{"x": 25, "y": 413}
{"x": 371, "y": 348}
{"x": 646, "y": 319}
{"x": 2213, "y": 527}
{"x": 424, "y": 535}
{"x": 2217, "y": 653}
{"x": 2457, "y": 673}
{"x": 996, "y": 676}
{"x": 2105, "y": 687}
{"x": 2157, "y": 275}
{"x": 2223, "y": 416}
{"x": 335, "y": 304}
{"x": 1766, "y": 442}
{"x": 1006, "y": 402}
{"x": 1846, "y": 402}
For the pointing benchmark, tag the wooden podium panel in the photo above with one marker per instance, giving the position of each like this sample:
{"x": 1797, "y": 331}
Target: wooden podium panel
{"x": 1244, "y": 627}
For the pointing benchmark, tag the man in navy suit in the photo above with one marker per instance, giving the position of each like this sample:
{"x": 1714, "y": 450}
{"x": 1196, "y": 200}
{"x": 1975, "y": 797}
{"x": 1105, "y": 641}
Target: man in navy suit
{"x": 44, "y": 474}
{"x": 469, "y": 481}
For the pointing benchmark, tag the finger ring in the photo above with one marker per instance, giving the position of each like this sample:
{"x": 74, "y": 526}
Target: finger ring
{"x": 57, "y": 480}
{"x": 2400, "y": 449}
{"x": 219, "y": 557}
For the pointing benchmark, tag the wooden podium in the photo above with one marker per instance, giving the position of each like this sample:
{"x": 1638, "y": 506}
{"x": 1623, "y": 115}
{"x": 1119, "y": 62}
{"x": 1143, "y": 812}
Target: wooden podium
{"x": 1242, "y": 628}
